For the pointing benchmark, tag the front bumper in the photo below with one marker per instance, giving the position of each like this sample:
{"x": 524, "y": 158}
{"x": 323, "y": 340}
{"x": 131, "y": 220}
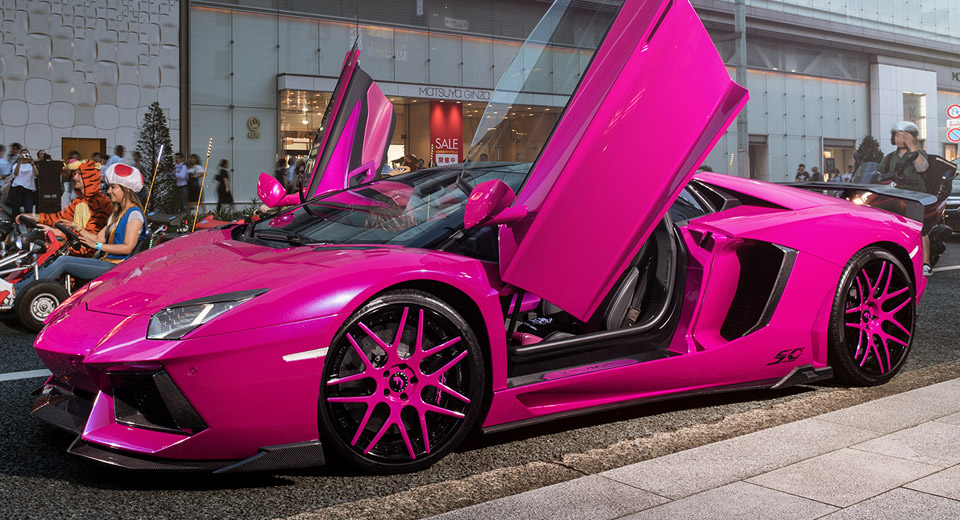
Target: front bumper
{"x": 226, "y": 402}
{"x": 70, "y": 409}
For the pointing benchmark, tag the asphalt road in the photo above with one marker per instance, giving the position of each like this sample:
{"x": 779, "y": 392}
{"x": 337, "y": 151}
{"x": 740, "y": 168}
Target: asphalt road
{"x": 38, "y": 479}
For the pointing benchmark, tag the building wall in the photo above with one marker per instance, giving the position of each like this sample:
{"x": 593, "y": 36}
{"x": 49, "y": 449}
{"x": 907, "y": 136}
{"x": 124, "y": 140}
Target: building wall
{"x": 930, "y": 19}
{"x": 87, "y": 69}
{"x": 237, "y": 57}
{"x": 795, "y": 113}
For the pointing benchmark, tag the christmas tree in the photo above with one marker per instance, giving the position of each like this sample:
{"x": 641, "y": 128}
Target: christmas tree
{"x": 154, "y": 133}
{"x": 869, "y": 150}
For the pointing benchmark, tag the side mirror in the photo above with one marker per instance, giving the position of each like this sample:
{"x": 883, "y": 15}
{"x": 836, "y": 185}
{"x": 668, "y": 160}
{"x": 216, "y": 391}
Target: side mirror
{"x": 270, "y": 191}
{"x": 490, "y": 204}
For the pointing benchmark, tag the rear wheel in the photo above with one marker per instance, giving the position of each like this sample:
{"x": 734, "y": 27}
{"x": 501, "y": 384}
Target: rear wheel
{"x": 872, "y": 319}
{"x": 36, "y": 301}
{"x": 402, "y": 385}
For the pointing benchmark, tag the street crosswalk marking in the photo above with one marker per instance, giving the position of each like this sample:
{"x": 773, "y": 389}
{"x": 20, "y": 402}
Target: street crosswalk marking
{"x": 15, "y": 376}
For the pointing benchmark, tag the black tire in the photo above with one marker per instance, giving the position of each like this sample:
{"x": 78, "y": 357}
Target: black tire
{"x": 873, "y": 318}
{"x": 385, "y": 412}
{"x": 36, "y": 301}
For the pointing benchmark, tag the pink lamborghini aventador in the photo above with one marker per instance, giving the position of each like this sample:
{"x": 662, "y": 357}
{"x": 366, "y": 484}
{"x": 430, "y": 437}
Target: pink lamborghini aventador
{"x": 376, "y": 321}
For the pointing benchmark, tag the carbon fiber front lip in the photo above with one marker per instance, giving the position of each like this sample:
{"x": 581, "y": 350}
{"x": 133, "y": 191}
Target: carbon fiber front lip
{"x": 62, "y": 408}
{"x": 130, "y": 461}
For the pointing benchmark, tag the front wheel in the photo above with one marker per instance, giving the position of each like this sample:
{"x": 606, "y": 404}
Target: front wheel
{"x": 402, "y": 384}
{"x": 873, "y": 318}
{"x": 36, "y": 301}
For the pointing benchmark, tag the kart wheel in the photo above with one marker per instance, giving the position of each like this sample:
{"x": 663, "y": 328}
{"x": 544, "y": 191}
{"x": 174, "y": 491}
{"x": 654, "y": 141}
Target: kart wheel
{"x": 36, "y": 301}
{"x": 872, "y": 319}
{"x": 402, "y": 384}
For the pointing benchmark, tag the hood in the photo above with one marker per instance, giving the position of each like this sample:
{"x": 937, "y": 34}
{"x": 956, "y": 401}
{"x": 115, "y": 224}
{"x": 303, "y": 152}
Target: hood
{"x": 90, "y": 172}
{"x": 206, "y": 264}
{"x": 652, "y": 103}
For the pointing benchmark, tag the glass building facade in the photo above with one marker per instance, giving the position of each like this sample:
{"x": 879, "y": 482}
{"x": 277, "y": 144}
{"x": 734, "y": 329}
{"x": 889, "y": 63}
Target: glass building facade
{"x": 255, "y": 75}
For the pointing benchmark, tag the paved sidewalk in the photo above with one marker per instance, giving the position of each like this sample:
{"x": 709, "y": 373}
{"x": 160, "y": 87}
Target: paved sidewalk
{"x": 896, "y": 457}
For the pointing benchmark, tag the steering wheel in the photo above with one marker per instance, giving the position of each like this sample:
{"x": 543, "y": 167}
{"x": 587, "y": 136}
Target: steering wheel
{"x": 28, "y": 222}
{"x": 71, "y": 235}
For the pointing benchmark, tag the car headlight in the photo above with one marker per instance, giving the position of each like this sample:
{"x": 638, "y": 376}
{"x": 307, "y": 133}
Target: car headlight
{"x": 175, "y": 321}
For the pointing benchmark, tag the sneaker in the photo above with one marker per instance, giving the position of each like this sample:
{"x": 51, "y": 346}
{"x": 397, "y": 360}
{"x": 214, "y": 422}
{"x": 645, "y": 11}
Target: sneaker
{"x": 927, "y": 270}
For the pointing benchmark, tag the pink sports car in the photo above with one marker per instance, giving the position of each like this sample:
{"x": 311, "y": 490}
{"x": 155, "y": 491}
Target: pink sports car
{"x": 382, "y": 319}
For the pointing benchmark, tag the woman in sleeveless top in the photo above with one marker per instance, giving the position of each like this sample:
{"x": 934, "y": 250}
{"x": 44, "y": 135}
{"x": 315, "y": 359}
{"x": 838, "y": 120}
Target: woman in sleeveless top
{"x": 116, "y": 241}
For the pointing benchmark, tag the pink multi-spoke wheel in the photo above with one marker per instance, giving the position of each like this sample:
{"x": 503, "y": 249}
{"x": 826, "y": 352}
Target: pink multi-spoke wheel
{"x": 402, "y": 385}
{"x": 873, "y": 317}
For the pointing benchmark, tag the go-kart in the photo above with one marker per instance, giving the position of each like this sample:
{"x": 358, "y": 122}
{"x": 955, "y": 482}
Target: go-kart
{"x": 38, "y": 249}
{"x": 31, "y": 250}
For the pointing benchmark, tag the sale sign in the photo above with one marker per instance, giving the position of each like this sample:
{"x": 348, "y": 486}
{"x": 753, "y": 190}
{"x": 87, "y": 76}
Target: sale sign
{"x": 446, "y": 133}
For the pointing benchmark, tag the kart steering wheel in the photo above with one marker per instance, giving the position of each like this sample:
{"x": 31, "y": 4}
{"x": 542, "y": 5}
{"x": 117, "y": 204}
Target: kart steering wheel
{"x": 28, "y": 222}
{"x": 71, "y": 235}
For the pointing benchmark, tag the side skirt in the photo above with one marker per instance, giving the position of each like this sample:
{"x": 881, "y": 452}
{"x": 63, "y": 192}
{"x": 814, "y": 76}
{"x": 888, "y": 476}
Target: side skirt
{"x": 752, "y": 385}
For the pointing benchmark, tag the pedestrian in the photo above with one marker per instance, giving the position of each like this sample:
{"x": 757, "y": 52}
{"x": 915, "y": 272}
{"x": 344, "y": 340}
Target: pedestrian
{"x": 72, "y": 162}
{"x": 281, "y": 174}
{"x": 194, "y": 172}
{"x": 224, "y": 196}
{"x": 815, "y": 175}
{"x": 116, "y": 158}
{"x": 180, "y": 174}
{"x": 802, "y": 175}
{"x": 291, "y": 182}
{"x": 5, "y": 167}
{"x": 43, "y": 156}
{"x": 6, "y": 175}
{"x": 137, "y": 158}
{"x": 14, "y": 153}
{"x": 23, "y": 190}
{"x": 848, "y": 175}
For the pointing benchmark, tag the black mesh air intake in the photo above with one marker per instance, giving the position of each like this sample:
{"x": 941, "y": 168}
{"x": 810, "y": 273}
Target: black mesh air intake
{"x": 764, "y": 269}
{"x": 151, "y": 400}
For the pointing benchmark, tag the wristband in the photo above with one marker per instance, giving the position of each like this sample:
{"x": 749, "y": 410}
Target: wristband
{"x": 99, "y": 246}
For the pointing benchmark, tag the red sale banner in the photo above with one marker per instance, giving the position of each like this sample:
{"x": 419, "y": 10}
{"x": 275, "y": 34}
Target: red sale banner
{"x": 446, "y": 133}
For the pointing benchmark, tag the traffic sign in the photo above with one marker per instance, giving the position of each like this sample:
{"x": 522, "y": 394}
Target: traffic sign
{"x": 953, "y": 111}
{"x": 954, "y": 135}
{"x": 952, "y": 123}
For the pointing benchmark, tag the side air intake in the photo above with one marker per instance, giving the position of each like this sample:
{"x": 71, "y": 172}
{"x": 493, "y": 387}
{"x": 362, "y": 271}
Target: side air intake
{"x": 152, "y": 400}
{"x": 764, "y": 270}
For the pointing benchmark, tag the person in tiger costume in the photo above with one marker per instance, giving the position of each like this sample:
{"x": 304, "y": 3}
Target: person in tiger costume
{"x": 90, "y": 210}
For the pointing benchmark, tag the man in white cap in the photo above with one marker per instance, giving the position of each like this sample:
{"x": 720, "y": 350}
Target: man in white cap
{"x": 115, "y": 242}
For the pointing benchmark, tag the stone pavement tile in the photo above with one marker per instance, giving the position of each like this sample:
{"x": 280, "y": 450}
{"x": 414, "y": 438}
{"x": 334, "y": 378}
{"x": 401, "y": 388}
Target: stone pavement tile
{"x": 945, "y": 483}
{"x": 932, "y": 443}
{"x": 901, "y": 411}
{"x": 899, "y": 504}
{"x": 737, "y": 500}
{"x": 950, "y": 419}
{"x": 844, "y": 477}
{"x": 687, "y": 472}
{"x": 591, "y": 497}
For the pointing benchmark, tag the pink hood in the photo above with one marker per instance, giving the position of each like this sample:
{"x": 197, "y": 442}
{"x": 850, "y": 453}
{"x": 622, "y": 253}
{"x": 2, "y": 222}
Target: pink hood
{"x": 208, "y": 263}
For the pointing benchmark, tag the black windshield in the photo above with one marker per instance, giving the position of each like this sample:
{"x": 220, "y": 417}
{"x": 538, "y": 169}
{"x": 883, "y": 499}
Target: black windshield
{"x": 413, "y": 210}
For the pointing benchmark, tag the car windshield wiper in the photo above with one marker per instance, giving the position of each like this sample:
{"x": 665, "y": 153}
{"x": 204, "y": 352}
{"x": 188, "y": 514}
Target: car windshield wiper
{"x": 289, "y": 237}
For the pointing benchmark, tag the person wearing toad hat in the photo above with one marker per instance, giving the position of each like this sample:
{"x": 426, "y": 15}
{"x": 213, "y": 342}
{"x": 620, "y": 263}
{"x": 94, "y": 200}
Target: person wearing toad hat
{"x": 89, "y": 211}
{"x": 116, "y": 241}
